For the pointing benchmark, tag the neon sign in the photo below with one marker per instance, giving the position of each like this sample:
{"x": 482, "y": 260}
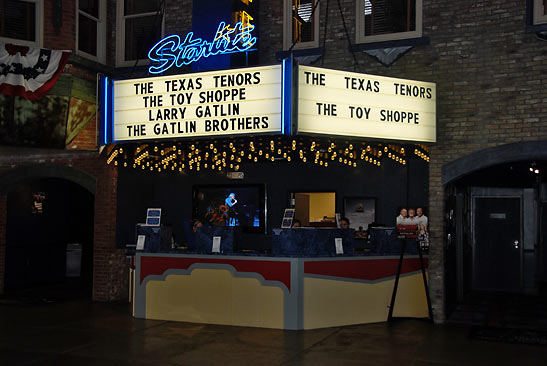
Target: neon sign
{"x": 171, "y": 51}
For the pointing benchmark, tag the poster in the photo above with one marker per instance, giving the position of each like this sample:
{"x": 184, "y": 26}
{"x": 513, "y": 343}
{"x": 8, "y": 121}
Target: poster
{"x": 360, "y": 211}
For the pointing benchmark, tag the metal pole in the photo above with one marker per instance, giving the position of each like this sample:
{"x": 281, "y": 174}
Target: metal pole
{"x": 426, "y": 287}
{"x": 397, "y": 276}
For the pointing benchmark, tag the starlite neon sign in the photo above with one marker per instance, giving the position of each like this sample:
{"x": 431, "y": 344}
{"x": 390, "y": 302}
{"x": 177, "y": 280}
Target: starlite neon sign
{"x": 170, "y": 51}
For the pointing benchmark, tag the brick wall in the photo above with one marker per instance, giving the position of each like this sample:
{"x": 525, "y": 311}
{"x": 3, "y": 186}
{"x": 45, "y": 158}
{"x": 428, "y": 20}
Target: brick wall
{"x": 87, "y": 138}
{"x": 110, "y": 276}
{"x": 490, "y": 77}
{"x": 64, "y": 37}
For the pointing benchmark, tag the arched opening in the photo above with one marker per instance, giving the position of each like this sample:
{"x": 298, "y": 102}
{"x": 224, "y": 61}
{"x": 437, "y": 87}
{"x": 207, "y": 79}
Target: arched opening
{"x": 49, "y": 233}
{"x": 496, "y": 244}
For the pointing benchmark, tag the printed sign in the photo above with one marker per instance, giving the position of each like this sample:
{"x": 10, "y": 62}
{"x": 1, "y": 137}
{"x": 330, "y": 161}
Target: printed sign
{"x": 338, "y": 246}
{"x": 230, "y": 102}
{"x": 216, "y": 244}
{"x": 343, "y": 103}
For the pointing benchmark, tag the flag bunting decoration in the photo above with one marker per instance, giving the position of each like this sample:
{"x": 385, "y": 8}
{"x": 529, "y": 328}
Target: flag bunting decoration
{"x": 29, "y": 72}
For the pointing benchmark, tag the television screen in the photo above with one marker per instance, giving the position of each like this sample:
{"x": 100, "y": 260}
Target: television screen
{"x": 241, "y": 205}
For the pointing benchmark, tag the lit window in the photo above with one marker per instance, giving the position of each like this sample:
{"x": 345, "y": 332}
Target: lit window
{"x": 90, "y": 38}
{"x": 385, "y": 20}
{"x": 540, "y": 12}
{"x": 139, "y": 27}
{"x": 301, "y": 24}
{"x": 20, "y": 22}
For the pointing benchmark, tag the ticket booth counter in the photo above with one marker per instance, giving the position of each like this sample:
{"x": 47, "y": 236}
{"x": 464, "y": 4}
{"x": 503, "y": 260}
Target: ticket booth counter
{"x": 298, "y": 291}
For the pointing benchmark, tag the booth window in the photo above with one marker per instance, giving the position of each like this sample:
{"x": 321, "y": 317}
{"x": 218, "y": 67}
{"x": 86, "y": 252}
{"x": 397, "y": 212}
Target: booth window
{"x": 301, "y": 22}
{"x": 90, "y": 26}
{"x": 316, "y": 209}
{"x": 540, "y": 12}
{"x": 387, "y": 20}
{"x": 139, "y": 26}
{"x": 20, "y": 22}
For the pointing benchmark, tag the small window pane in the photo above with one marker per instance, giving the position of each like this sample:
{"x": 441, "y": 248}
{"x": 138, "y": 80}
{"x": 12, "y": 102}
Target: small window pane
{"x": 87, "y": 35}
{"x": 132, "y": 7}
{"x": 18, "y": 20}
{"x": 303, "y": 21}
{"x": 140, "y": 35}
{"x": 544, "y": 7}
{"x": 389, "y": 16}
{"x": 91, "y": 7}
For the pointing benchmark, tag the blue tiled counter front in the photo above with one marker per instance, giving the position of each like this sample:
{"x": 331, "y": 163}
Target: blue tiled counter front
{"x": 311, "y": 241}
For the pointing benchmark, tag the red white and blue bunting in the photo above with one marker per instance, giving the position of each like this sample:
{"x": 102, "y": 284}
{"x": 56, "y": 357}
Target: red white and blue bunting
{"x": 29, "y": 72}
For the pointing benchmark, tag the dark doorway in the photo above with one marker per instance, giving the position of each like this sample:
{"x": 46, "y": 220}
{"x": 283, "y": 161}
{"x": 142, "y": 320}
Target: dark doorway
{"x": 497, "y": 243}
{"x": 49, "y": 240}
{"x": 495, "y": 246}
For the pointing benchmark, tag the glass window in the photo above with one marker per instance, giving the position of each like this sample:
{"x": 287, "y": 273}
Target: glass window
{"x": 87, "y": 35}
{"x": 301, "y": 25}
{"x": 140, "y": 35}
{"x": 141, "y": 23}
{"x": 91, "y": 32}
{"x": 540, "y": 12}
{"x": 19, "y": 21}
{"x": 383, "y": 20}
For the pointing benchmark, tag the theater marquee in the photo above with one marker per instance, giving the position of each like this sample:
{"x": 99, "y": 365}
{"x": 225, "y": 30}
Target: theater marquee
{"x": 242, "y": 101}
{"x": 342, "y": 103}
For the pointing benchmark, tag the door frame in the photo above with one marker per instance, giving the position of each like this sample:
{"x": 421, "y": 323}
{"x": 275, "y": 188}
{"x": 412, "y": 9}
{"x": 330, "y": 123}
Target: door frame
{"x": 482, "y": 192}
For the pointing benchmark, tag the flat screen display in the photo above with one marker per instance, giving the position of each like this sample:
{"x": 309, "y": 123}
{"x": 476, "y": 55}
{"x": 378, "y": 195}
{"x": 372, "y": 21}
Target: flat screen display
{"x": 235, "y": 205}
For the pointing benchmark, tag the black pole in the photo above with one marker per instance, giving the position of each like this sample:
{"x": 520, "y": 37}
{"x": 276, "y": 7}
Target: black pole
{"x": 397, "y": 276}
{"x": 426, "y": 286}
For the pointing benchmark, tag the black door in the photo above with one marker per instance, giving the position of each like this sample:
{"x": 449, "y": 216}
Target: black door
{"x": 497, "y": 243}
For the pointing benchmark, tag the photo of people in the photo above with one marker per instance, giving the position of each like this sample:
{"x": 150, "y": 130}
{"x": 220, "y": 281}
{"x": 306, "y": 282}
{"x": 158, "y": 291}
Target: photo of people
{"x": 410, "y": 220}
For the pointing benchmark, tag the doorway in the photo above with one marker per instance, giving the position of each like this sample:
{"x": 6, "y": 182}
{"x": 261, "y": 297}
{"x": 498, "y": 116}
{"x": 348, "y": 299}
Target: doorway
{"x": 494, "y": 246}
{"x": 49, "y": 240}
{"x": 497, "y": 239}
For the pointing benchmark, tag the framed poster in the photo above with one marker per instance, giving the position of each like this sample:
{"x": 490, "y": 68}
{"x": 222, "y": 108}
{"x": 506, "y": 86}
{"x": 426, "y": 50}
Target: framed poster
{"x": 288, "y": 217}
{"x": 360, "y": 211}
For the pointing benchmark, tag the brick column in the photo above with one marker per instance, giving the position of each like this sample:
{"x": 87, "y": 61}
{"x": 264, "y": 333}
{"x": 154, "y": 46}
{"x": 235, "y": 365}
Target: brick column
{"x": 3, "y": 222}
{"x": 110, "y": 269}
{"x": 436, "y": 229}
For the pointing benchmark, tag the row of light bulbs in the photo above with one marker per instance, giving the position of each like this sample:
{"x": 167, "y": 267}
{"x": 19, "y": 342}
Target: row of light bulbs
{"x": 230, "y": 154}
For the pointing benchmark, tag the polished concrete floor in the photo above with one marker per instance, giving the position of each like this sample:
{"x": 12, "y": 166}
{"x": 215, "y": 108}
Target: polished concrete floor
{"x": 82, "y": 333}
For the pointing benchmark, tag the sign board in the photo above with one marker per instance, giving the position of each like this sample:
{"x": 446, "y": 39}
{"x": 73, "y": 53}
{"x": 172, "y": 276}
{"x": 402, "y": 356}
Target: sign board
{"x": 229, "y": 102}
{"x": 216, "y": 244}
{"x": 153, "y": 216}
{"x": 288, "y": 217}
{"x": 338, "y": 246}
{"x": 333, "y": 102}
{"x": 173, "y": 51}
{"x": 140, "y": 242}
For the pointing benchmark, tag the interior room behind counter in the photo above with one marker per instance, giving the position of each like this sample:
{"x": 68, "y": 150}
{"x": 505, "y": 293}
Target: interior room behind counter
{"x": 391, "y": 185}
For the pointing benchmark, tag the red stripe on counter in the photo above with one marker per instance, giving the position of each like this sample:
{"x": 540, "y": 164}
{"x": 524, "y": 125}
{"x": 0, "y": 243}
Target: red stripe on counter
{"x": 270, "y": 270}
{"x": 368, "y": 270}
